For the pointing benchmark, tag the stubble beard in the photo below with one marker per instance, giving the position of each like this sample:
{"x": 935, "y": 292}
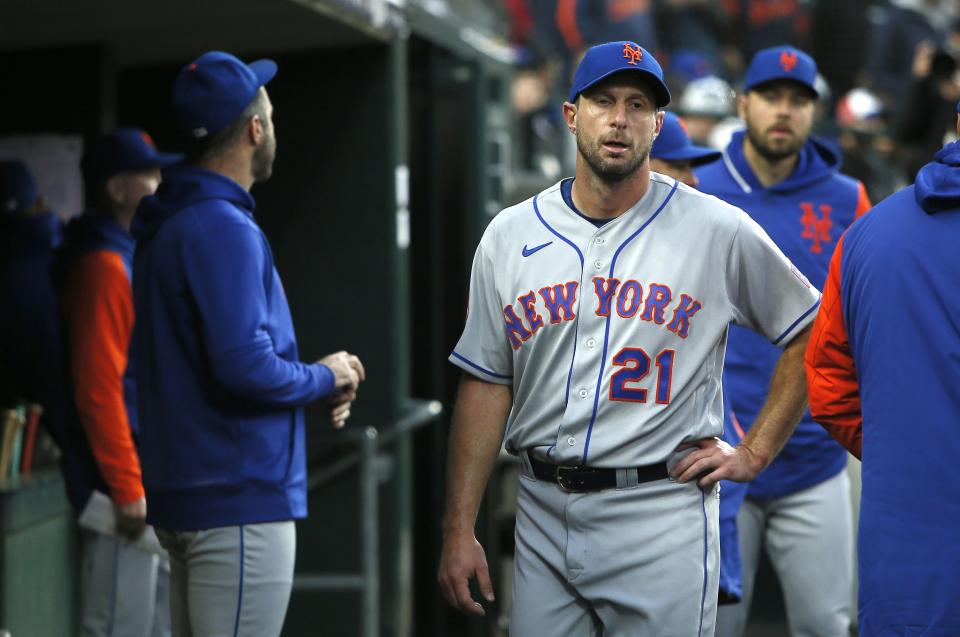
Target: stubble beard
{"x": 772, "y": 155}
{"x": 263, "y": 156}
{"x": 609, "y": 172}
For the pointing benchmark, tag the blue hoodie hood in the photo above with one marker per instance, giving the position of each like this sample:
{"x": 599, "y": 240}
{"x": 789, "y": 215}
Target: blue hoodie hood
{"x": 938, "y": 183}
{"x": 182, "y": 187}
{"x": 89, "y": 232}
{"x": 819, "y": 160}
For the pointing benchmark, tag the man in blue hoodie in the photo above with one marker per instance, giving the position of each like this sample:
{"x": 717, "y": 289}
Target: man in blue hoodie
{"x": 883, "y": 380}
{"x": 29, "y": 328}
{"x": 220, "y": 387}
{"x": 125, "y": 587}
{"x": 799, "y": 507}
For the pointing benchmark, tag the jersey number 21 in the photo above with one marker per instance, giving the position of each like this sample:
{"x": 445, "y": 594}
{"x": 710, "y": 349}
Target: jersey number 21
{"x": 634, "y": 364}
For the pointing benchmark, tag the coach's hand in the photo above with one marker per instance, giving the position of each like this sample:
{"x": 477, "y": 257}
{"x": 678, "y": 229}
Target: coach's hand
{"x": 347, "y": 370}
{"x": 339, "y": 404}
{"x": 715, "y": 460}
{"x": 131, "y": 518}
{"x": 462, "y": 559}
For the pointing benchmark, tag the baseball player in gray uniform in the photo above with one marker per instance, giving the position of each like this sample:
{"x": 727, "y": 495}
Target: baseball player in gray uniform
{"x": 595, "y": 339}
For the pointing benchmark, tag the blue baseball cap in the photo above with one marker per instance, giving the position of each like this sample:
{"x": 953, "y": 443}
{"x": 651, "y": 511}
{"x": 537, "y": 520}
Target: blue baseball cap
{"x": 214, "y": 89}
{"x": 781, "y": 63}
{"x": 123, "y": 150}
{"x": 18, "y": 190}
{"x": 603, "y": 60}
{"x": 673, "y": 144}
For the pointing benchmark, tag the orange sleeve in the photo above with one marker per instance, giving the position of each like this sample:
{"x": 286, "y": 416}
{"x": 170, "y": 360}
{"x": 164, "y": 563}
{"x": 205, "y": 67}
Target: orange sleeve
{"x": 863, "y": 201}
{"x": 98, "y": 307}
{"x": 831, "y": 376}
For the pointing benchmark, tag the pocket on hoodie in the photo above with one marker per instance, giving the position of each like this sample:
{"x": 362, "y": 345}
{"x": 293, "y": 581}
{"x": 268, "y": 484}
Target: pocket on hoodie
{"x": 192, "y": 455}
{"x": 267, "y": 447}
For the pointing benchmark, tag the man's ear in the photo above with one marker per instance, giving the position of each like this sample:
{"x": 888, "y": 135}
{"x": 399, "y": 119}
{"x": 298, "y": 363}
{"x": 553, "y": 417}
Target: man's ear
{"x": 570, "y": 116}
{"x": 255, "y": 129}
{"x": 115, "y": 190}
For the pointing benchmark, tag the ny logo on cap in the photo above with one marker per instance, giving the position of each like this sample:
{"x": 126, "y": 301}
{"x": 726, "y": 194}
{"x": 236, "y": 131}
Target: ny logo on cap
{"x": 788, "y": 60}
{"x": 147, "y": 139}
{"x": 632, "y": 55}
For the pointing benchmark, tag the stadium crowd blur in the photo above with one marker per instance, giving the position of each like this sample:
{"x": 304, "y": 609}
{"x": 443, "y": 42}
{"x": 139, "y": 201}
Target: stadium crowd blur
{"x": 889, "y": 74}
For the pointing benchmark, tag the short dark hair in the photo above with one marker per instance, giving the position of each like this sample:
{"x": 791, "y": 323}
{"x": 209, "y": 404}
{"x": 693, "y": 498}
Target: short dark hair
{"x": 200, "y": 150}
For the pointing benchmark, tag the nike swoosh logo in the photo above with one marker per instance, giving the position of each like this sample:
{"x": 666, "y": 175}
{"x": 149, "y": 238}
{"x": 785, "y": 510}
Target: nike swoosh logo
{"x": 528, "y": 251}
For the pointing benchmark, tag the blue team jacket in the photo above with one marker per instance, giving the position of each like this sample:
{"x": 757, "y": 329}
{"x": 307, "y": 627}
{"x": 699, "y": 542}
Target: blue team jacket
{"x": 804, "y": 215}
{"x": 220, "y": 388}
{"x": 900, "y": 292}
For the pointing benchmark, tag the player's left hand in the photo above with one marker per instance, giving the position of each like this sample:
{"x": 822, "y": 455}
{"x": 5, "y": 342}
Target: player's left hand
{"x": 340, "y": 404}
{"x": 715, "y": 460}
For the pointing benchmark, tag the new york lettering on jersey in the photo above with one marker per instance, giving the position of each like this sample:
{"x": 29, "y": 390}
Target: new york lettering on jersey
{"x": 558, "y": 301}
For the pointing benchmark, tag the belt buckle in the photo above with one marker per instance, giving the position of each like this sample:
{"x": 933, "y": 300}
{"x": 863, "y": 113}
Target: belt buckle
{"x": 566, "y": 482}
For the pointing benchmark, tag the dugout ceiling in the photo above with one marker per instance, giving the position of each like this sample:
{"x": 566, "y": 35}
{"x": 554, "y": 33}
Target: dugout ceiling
{"x": 146, "y": 32}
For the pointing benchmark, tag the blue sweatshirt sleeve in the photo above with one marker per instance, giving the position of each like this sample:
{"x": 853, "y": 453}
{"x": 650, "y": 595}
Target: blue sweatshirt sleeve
{"x": 229, "y": 271}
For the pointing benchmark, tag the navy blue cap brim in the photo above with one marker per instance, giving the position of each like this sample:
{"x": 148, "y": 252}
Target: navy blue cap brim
{"x": 764, "y": 81}
{"x": 163, "y": 160}
{"x": 661, "y": 93}
{"x": 264, "y": 70}
{"x": 160, "y": 160}
{"x": 691, "y": 153}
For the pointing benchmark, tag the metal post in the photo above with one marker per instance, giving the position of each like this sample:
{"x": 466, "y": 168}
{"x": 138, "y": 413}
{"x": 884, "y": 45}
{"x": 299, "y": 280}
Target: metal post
{"x": 369, "y": 527}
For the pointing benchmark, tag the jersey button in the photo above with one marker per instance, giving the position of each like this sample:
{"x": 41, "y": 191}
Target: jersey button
{"x": 583, "y": 393}
{"x": 591, "y": 342}
{"x": 571, "y": 441}
{"x": 598, "y": 265}
{"x": 599, "y": 241}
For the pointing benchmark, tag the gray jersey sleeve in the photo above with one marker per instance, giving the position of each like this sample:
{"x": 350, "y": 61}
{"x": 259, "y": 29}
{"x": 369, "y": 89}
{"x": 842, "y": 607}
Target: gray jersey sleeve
{"x": 483, "y": 349}
{"x": 768, "y": 293}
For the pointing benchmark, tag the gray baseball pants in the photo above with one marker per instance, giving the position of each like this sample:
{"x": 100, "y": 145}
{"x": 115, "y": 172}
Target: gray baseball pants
{"x": 232, "y": 581}
{"x": 126, "y": 590}
{"x": 641, "y": 560}
{"x": 809, "y": 539}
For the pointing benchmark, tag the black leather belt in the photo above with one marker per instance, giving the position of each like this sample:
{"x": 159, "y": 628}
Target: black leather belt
{"x": 579, "y": 479}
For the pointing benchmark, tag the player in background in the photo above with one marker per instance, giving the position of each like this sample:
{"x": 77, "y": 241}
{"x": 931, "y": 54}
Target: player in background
{"x": 883, "y": 380}
{"x": 125, "y": 588}
{"x": 220, "y": 386}
{"x": 799, "y": 507}
{"x": 597, "y": 323}
{"x": 30, "y": 348}
{"x": 675, "y": 155}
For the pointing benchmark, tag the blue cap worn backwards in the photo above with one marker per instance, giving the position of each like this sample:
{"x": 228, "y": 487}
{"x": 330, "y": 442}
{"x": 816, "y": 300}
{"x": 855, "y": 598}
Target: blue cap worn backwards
{"x": 18, "y": 190}
{"x": 214, "y": 89}
{"x": 123, "y": 150}
{"x": 603, "y": 60}
{"x": 673, "y": 144}
{"x": 781, "y": 63}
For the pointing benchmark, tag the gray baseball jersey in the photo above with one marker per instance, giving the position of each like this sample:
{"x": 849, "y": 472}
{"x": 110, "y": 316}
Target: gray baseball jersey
{"x": 613, "y": 338}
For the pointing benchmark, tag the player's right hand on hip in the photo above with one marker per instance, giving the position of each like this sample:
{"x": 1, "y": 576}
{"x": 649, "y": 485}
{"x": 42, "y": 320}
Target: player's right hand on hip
{"x": 461, "y": 560}
{"x": 347, "y": 370}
